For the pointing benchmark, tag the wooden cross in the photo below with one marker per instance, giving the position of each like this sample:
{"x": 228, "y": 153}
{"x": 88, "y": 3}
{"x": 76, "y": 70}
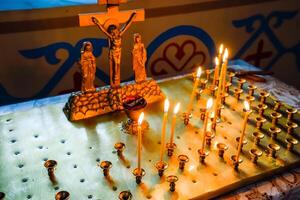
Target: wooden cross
{"x": 112, "y": 16}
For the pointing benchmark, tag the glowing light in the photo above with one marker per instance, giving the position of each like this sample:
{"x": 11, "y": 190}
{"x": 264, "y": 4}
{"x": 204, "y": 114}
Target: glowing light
{"x": 246, "y": 105}
{"x": 176, "y": 109}
{"x": 217, "y": 61}
{"x": 209, "y": 103}
{"x": 141, "y": 118}
{"x": 221, "y": 48}
{"x": 167, "y": 105}
{"x": 199, "y": 71}
{"x": 225, "y": 56}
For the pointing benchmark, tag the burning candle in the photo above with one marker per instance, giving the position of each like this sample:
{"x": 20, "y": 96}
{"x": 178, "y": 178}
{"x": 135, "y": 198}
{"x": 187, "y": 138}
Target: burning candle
{"x": 176, "y": 109}
{"x": 247, "y": 112}
{"x": 217, "y": 69}
{"x": 208, "y": 106}
{"x": 139, "y": 146}
{"x": 194, "y": 90}
{"x": 163, "y": 132}
{"x": 224, "y": 68}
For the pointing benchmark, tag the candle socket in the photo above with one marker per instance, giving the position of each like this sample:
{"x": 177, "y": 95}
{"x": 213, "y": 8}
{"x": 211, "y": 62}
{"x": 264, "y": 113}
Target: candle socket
{"x": 263, "y": 97}
{"x": 105, "y": 166}
{"x": 2, "y": 195}
{"x": 182, "y": 160}
{"x": 138, "y": 173}
{"x": 250, "y": 99}
{"x": 213, "y": 89}
{"x": 198, "y": 94}
{"x": 203, "y": 83}
{"x": 223, "y": 98}
{"x": 257, "y": 137}
{"x": 120, "y": 148}
{"x": 241, "y": 82}
{"x": 277, "y": 105}
{"x": 50, "y": 166}
{"x": 251, "y": 89}
{"x": 62, "y": 195}
{"x": 161, "y": 166}
{"x": 208, "y": 72}
{"x": 274, "y": 131}
{"x": 221, "y": 149}
{"x": 291, "y": 127}
{"x": 290, "y": 112}
{"x": 227, "y": 86}
{"x": 217, "y": 82}
{"x": 170, "y": 148}
{"x": 125, "y": 195}
{"x": 261, "y": 109}
{"x": 259, "y": 122}
{"x": 273, "y": 148}
{"x": 275, "y": 116}
{"x": 237, "y": 93}
{"x": 231, "y": 75}
{"x": 172, "y": 179}
{"x": 236, "y": 162}
{"x": 202, "y": 155}
{"x": 243, "y": 143}
{"x": 208, "y": 137}
{"x": 202, "y": 113}
{"x": 186, "y": 118}
{"x": 255, "y": 154}
{"x": 291, "y": 142}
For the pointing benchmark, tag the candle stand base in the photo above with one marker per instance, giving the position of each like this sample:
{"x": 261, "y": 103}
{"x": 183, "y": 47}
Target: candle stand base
{"x": 202, "y": 155}
{"x": 138, "y": 173}
{"x": 161, "y": 166}
{"x": 186, "y": 118}
{"x": 236, "y": 162}
{"x": 170, "y": 148}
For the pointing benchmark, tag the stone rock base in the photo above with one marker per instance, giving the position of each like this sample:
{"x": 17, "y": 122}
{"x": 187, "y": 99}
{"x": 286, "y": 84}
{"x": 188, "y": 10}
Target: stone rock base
{"x": 83, "y": 105}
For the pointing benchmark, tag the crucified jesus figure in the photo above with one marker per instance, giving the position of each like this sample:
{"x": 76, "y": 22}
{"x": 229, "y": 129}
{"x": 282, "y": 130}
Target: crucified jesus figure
{"x": 114, "y": 35}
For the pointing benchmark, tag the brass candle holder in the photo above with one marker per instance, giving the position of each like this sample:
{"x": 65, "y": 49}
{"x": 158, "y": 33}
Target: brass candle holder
{"x": 203, "y": 83}
{"x": 50, "y": 166}
{"x": 172, "y": 179}
{"x": 263, "y": 96}
{"x": 257, "y": 137}
{"x": 120, "y": 148}
{"x": 161, "y": 166}
{"x": 2, "y": 195}
{"x": 231, "y": 75}
{"x": 273, "y": 148}
{"x": 223, "y": 98}
{"x": 237, "y": 93}
{"x": 236, "y": 162}
{"x": 251, "y": 89}
{"x": 207, "y": 73}
{"x": 255, "y": 154}
{"x": 241, "y": 82}
{"x": 198, "y": 94}
{"x": 275, "y": 117}
{"x": 274, "y": 131}
{"x": 202, "y": 113}
{"x": 261, "y": 109}
{"x": 186, "y": 118}
{"x": 221, "y": 149}
{"x": 202, "y": 155}
{"x": 170, "y": 148}
{"x": 213, "y": 89}
{"x": 183, "y": 159}
{"x": 138, "y": 173}
{"x": 291, "y": 126}
{"x": 259, "y": 122}
{"x": 245, "y": 141}
{"x": 250, "y": 99}
{"x": 105, "y": 166}
{"x": 227, "y": 86}
{"x": 125, "y": 195}
{"x": 208, "y": 137}
{"x": 291, "y": 112}
{"x": 62, "y": 195}
{"x": 277, "y": 106}
{"x": 291, "y": 142}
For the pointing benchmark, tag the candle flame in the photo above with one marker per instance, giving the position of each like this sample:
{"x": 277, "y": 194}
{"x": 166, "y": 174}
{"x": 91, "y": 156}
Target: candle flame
{"x": 225, "y": 56}
{"x": 176, "y": 109}
{"x": 246, "y": 105}
{"x": 212, "y": 114}
{"x": 217, "y": 61}
{"x": 199, "y": 71}
{"x": 167, "y": 105}
{"x": 209, "y": 103}
{"x": 221, "y": 48}
{"x": 141, "y": 117}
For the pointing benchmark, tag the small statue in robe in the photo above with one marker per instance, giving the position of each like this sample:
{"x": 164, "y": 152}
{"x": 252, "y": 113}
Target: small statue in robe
{"x": 88, "y": 67}
{"x": 139, "y": 58}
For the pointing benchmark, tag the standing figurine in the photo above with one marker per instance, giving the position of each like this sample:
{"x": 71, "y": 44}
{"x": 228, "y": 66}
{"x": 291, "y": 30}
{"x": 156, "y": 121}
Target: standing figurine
{"x": 88, "y": 67}
{"x": 139, "y": 58}
{"x": 114, "y": 35}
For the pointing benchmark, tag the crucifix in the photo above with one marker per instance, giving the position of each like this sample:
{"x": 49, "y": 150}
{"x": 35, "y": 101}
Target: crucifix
{"x": 109, "y": 24}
